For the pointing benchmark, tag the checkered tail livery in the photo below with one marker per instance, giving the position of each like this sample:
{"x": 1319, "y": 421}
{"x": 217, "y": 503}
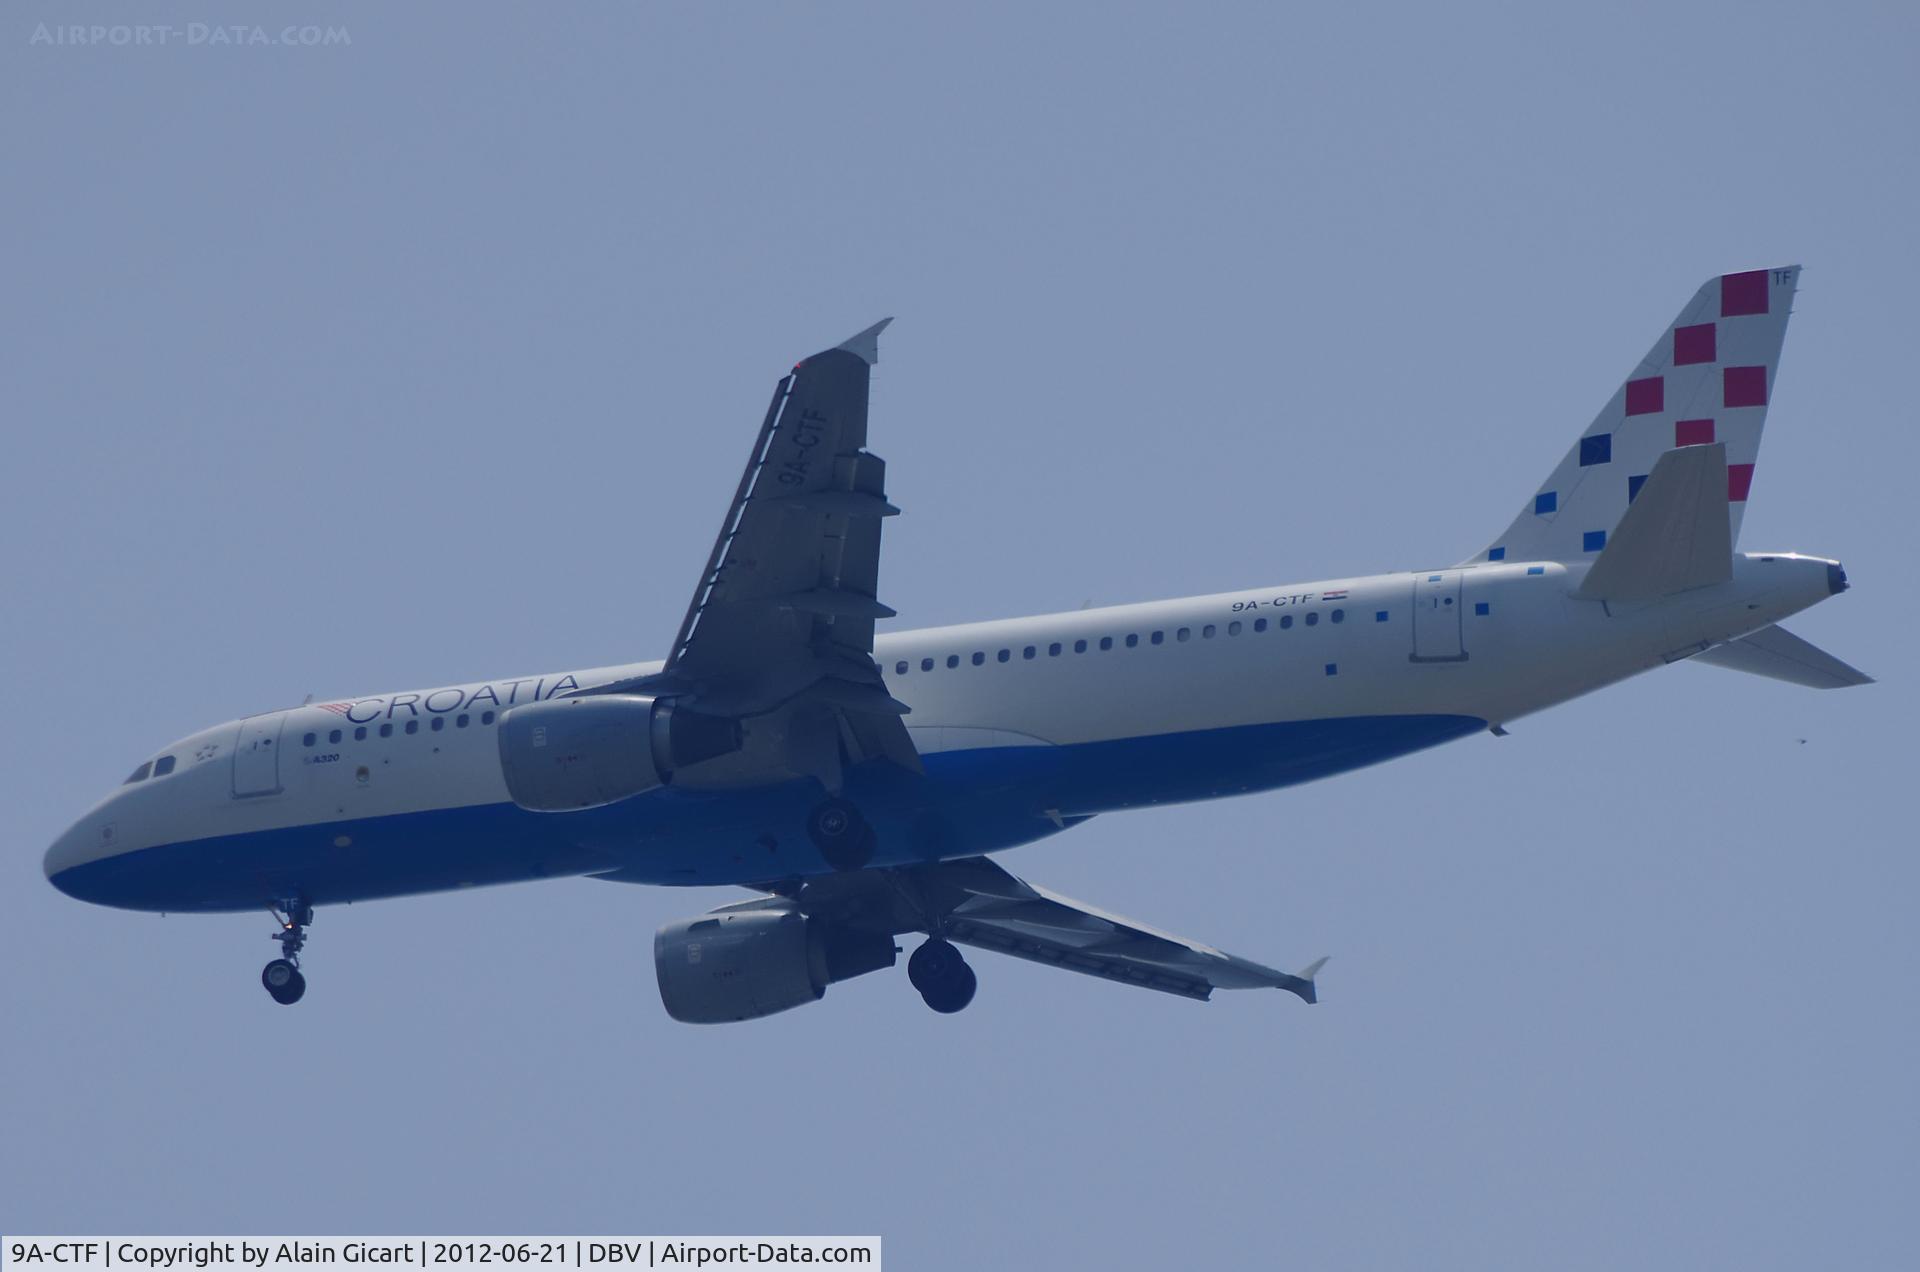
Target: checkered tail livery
{"x": 1707, "y": 379}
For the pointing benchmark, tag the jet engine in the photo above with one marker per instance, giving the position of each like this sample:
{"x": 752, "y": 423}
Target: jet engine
{"x": 743, "y": 964}
{"x": 568, "y": 753}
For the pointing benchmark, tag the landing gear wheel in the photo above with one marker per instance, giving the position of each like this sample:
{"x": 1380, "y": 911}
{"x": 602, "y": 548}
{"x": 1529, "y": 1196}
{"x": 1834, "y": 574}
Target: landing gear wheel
{"x": 283, "y": 981}
{"x": 943, "y": 978}
{"x": 933, "y": 963}
{"x": 841, "y": 834}
{"x": 955, "y": 994}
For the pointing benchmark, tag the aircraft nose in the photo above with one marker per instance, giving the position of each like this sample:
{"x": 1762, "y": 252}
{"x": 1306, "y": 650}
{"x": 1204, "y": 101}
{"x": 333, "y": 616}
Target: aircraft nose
{"x": 62, "y": 857}
{"x": 87, "y": 841}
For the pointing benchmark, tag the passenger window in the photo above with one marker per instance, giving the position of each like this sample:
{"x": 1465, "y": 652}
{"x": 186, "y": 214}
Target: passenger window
{"x": 926, "y": 664}
{"x": 1028, "y": 652}
{"x": 1313, "y": 616}
{"x": 309, "y": 739}
{"x": 460, "y": 721}
{"x": 1053, "y": 650}
{"x": 360, "y": 734}
{"x": 979, "y": 658}
{"x": 163, "y": 766}
{"x": 1259, "y": 624}
{"x": 333, "y": 736}
{"x": 1158, "y": 638}
{"x": 439, "y": 723}
{"x": 386, "y": 730}
{"x": 953, "y": 660}
{"x": 900, "y": 668}
{"x": 1106, "y": 642}
{"x": 139, "y": 774}
{"x": 1206, "y": 633}
{"x": 1079, "y": 646}
{"x": 486, "y": 717}
{"x": 1005, "y": 654}
{"x": 1185, "y": 633}
{"x": 1133, "y": 639}
{"x": 1338, "y": 616}
{"x": 1233, "y": 628}
{"x": 413, "y": 726}
{"x": 1286, "y": 621}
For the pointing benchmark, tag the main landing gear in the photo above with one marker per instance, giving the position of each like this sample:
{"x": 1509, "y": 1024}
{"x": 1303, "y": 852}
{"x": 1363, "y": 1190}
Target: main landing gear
{"x": 282, "y": 976}
{"x": 841, "y": 834}
{"x": 942, "y": 976}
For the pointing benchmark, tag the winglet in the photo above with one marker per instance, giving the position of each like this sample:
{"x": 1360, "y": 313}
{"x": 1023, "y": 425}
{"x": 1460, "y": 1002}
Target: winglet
{"x": 1303, "y": 983}
{"x": 866, "y": 345}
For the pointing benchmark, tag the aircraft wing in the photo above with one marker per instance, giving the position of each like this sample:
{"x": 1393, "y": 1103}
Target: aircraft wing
{"x": 974, "y": 902}
{"x": 782, "y": 619}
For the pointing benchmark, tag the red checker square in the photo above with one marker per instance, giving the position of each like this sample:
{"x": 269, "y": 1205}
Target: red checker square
{"x": 1743, "y": 293}
{"x": 1644, "y": 397}
{"x": 1745, "y": 386}
{"x": 1739, "y": 481}
{"x": 1693, "y": 344}
{"x": 1693, "y": 433}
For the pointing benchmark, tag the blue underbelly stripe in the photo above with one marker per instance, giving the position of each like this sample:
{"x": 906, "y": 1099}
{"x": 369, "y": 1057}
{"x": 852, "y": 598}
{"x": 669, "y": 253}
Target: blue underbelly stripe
{"x": 969, "y": 802}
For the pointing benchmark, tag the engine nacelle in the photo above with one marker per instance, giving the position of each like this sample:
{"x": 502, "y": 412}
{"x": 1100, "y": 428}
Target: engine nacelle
{"x": 744, "y": 964}
{"x": 568, "y": 753}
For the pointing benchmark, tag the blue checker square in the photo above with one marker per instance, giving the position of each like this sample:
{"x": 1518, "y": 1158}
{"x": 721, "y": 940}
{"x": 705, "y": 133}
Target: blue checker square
{"x": 1597, "y": 449}
{"x": 1380, "y": 616}
{"x": 1544, "y": 502}
{"x": 1496, "y": 554}
{"x": 1594, "y": 540}
{"x": 1333, "y": 669}
{"x": 1482, "y": 608}
{"x": 1536, "y": 569}
{"x": 1633, "y": 486}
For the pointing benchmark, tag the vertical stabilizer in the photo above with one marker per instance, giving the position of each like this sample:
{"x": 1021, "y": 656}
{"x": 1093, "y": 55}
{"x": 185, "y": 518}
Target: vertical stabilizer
{"x": 1706, "y": 380}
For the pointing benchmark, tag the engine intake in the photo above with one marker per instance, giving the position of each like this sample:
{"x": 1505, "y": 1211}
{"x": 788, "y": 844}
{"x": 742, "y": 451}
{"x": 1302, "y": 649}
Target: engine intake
{"x": 745, "y": 964}
{"x": 568, "y": 753}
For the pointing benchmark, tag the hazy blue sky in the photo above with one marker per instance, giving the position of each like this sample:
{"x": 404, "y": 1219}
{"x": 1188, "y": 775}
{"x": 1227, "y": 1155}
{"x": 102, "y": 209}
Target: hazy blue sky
{"x": 434, "y": 356}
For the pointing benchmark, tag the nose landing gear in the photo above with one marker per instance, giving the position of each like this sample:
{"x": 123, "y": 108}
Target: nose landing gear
{"x": 942, "y": 976}
{"x": 282, "y": 977}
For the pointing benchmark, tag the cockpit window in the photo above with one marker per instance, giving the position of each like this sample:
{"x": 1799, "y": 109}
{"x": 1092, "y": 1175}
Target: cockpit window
{"x": 139, "y": 774}
{"x": 163, "y": 766}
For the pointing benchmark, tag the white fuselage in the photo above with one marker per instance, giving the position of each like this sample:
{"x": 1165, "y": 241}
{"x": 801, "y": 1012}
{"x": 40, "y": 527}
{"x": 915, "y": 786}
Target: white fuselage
{"x": 1025, "y": 724}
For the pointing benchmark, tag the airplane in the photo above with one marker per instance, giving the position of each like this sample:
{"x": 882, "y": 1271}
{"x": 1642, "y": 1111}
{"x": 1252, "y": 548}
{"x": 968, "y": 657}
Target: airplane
{"x": 859, "y": 784}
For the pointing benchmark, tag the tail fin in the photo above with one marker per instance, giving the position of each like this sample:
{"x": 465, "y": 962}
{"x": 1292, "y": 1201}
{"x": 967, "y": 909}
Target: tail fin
{"x": 1707, "y": 379}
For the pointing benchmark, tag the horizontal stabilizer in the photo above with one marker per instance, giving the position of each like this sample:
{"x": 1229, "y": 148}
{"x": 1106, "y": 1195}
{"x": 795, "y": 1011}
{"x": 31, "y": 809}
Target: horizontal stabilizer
{"x": 1778, "y": 654}
{"x": 1674, "y": 535}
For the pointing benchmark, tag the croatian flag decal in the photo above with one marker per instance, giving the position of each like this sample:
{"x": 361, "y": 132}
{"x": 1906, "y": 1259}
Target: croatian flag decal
{"x": 1341, "y": 595}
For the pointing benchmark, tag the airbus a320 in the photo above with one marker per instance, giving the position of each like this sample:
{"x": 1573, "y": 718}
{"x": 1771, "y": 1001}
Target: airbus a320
{"x": 860, "y": 784}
